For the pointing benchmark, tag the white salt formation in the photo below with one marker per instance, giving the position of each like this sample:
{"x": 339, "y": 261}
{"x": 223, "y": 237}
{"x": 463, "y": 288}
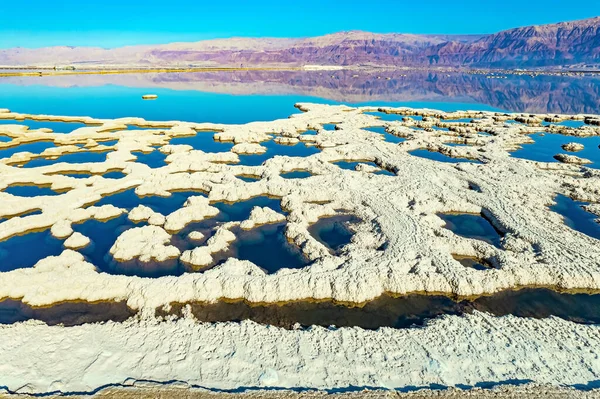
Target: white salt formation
{"x": 400, "y": 246}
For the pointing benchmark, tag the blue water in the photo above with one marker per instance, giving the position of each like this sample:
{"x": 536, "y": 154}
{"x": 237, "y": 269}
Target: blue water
{"x": 438, "y": 156}
{"x": 57, "y": 127}
{"x": 5, "y": 139}
{"x": 154, "y": 159}
{"x": 576, "y": 217}
{"x": 296, "y": 174}
{"x": 297, "y": 150}
{"x": 548, "y": 145}
{"x": 574, "y": 124}
{"x": 78, "y": 157}
{"x": 471, "y": 226}
{"x": 267, "y": 247}
{"x": 203, "y": 141}
{"x": 128, "y": 199}
{"x": 333, "y": 232}
{"x": 394, "y": 117}
{"x": 25, "y": 251}
{"x": 392, "y": 138}
{"x": 24, "y": 190}
{"x": 35, "y": 148}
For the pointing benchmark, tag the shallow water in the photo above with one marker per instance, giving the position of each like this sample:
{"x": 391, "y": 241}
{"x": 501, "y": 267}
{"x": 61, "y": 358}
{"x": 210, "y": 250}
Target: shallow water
{"x": 128, "y": 199}
{"x": 296, "y": 174}
{"x": 576, "y": 217}
{"x": 203, "y": 141}
{"x": 471, "y": 226}
{"x": 392, "y": 138}
{"x": 28, "y": 190}
{"x": 548, "y": 145}
{"x": 57, "y": 127}
{"x": 25, "y": 251}
{"x": 154, "y": 159}
{"x": 267, "y": 247}
{"x": 402, "y": 312}
{"x": 273, "y": 149}
{"x": 78, "y": 157}
{"x": 68, "y": 313}
{"x": 35, "y": 148}
{"x": 333, "y": 232}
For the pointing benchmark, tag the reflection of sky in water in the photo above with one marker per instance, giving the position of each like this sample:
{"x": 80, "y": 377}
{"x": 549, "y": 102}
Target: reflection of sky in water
{"x": 547, "y": 145}
{"x": 575, "y": 217}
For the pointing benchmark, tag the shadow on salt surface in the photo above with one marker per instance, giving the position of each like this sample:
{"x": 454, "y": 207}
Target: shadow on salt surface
{"x": 29, "y": 190}
{"x": 471, "y": 226}
{"x": 274, "y": 149}
{"x": 547, "y": 145}
{"x": 57, "y": 127}
{"x": 333, "y": 232}
{"x": 26, "y": 250}
{"x": 203, "y": 141}
{"x": 400, "y": 312}
{"x": 472, "y": 262}
{"x": 266, "y": 246}
{"x": 576, "y": 217}
{"x": 35, "y": 148}
{"x": 389, "y": 137}
{"x": 66, "y": 313}
{"x": 78, "y": 157}
{"x": 438, "y": 156}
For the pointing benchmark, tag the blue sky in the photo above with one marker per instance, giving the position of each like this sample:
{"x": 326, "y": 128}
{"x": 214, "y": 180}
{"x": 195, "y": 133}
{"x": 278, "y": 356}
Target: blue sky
{"x": 113, "y": 23}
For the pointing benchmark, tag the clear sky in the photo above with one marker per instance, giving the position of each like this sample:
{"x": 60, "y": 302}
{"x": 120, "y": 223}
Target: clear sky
{"x": 113, "y": 23}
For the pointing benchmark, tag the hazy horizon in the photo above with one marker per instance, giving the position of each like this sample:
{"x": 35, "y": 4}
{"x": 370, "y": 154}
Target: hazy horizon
{"x": 117, "y": 24}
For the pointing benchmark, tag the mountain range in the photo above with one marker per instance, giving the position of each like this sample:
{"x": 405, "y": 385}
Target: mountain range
{"x": 566, "y": 44}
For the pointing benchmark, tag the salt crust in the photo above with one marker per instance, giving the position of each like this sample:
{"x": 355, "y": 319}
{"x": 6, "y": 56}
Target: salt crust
{"x": 449, "y": 351}
{"x": 400, "y": 211}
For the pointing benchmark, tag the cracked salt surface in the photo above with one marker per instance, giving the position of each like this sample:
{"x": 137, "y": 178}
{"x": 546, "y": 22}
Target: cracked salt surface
{"x": 400, "y": 246}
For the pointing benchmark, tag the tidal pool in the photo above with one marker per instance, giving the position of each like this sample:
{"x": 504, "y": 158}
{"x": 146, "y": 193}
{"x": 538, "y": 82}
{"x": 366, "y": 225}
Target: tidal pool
{"x": 26, "y": 250}
{"x": 273, "y": 149}
{"x": 203, "y": 141}
{"x": 471, "y": 226}
{"x": 29, "y": 190}
{"x": 392, "y": 138}
{"x": 333, "y": 232}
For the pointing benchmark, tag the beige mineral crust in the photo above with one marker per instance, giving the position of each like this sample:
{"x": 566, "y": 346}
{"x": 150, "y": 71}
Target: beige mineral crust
{"x": 573, "y": 147}
{"x": 77, "y": 241}
{"x": 537, "y": 249}
{"x": 147, "y": 243}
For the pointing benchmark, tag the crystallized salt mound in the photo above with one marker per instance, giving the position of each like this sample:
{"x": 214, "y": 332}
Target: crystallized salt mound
{"x": 565, "y": 158}
{"x": 202, "y": 256}
{"x": 195, "y": 209}
{"x": 146, "y": 243}
{"x": 142, "y": 213}
{"x": 573, "y": 147}
{"x": 249, "y": 148}
{"x": 261, "y": 215}
{"x": 77, "y": 241}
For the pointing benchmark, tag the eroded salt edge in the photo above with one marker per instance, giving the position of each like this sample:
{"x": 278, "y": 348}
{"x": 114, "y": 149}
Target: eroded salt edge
{"x": 400, "y": 210}
{"x": 449, "y": 351}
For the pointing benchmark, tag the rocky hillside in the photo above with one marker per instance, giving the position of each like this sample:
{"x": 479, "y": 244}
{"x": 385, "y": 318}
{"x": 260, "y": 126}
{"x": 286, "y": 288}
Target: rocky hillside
{"x": 561, "y": 44}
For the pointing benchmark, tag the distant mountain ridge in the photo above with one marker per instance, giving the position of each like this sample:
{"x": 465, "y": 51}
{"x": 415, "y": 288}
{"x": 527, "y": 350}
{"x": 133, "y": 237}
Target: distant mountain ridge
{"x": 561, "y": 44}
